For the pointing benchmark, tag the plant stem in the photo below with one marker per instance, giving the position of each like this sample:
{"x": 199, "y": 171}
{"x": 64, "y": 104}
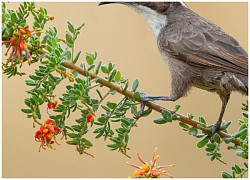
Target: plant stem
{"x": 149, "y": 104}
{"x": 104, "y": 96}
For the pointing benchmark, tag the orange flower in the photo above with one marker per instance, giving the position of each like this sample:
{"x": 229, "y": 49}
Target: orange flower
{"x": 138, "y": 173}
{"x": 145, "y": 168}
{"x": 90, "y": 118}
{"x": 147, "y": 171}
{"x": 47, "y": 134}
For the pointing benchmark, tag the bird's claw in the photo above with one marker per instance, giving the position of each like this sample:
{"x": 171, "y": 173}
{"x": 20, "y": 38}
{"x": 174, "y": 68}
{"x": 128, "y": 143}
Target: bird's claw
{"x": 214, "y": 130}
{"x": 144, "y": 99}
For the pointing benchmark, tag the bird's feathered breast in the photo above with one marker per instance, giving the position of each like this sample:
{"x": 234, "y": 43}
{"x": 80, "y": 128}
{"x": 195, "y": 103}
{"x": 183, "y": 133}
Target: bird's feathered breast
{"x": 199, "y": 42}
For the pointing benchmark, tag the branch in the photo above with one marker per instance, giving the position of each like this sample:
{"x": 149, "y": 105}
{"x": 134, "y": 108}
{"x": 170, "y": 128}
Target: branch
{"x": 149, "y": 104}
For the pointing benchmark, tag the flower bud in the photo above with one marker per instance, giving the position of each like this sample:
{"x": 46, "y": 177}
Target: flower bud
{"x": 90, "y": 118}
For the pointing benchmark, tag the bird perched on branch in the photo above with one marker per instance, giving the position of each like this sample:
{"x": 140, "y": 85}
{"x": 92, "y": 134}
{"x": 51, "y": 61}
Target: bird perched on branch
{"x": 198, "y": 52}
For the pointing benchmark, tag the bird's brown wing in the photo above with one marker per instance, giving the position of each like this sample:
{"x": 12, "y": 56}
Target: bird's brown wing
{"x": 205, "y": 46}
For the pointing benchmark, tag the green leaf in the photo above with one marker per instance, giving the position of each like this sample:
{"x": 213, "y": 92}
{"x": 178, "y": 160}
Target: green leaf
{"x": 125, "y": 87}
{"x": 71, "y": 142}
{"x": 243, "y": 126}
{"x": 112, "y": 75}
{"x": 118, "y": 76}
{"x": 160, "y": 121}
{"x": 240, "y": 133}
{"x": 175, "y": 117}
{"x": 30, "y": 83}
{"x": 65, "y": 52}
{"x": 13, "y": 17}
{"x": 190, "y": 116}
{"x": 110, "y": 66}
{"x": 33, "y": 77}
{"x": 211, "y": 145}
{"x": 166, "y": 115}
{"x": 177, "y": 107}
{"x": 69, "y": 40}
{"x": 79, "y": 28}
{"x": 200, "y": 135}
{"x": 203, "y": 142}
{"x": 226, "y": 175}
{"x": 228, "y": 140}
{"x": 126, "y": 139}
{"x": 71, "y": 27}
{"x": 217, "y": 138}
{"x": 202, "y": 120}
{"x": 134, "y": 110}
{"x": 113, "y": 146}
{"x": 225, "y": 125}
{"x": 137, "y": 96}
{"x": 3, "y": 18}
{"x": 245, "y": 114}
{"x": 27, "y": 111}
{"x": 116, "y": 140}
{"x": 95, "y": 107}
{"x": 53, "y": 42}
{"x": 91, "y": 67}
{"x": 66, "y": 127}
{"x": 146, "y": 113}
{"x": 77, "y": 57}
{"x": 237, "y": 169}
{"x": 77, "y": 128}
{"x": 212, "y": 157}
{"x": 89, "y": 59}
{"x": 111, "y": 105}
{"x": 184, "y": 125}
{"x": 135, "y": 85}
{"x": 120, "y": 130}
{"x": 193, "y": 131}
{"x": 98, "y": 67}
{"x": 10, "y": 24}
{"x": 86, "y": 142}
{"x": 246, "y": 164}
{"x": 104, "y": 69}
{"x": 72, "y": 135}
{"x": 127, "y": 121}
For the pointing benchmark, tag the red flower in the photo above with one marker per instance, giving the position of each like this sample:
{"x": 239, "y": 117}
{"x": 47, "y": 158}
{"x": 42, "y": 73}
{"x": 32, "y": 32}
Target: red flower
{"x": 90, "y": 118}
{"x": 52, "y": 105}
{"x": 18, "y": 45}
{"x": 47, "y": 134}
{"x": 49, "y": 121}
{"x": 22, "y": 45}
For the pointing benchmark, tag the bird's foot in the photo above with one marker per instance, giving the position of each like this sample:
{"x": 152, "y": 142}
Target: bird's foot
{"x": 144, "y": 99}
{"x": 214, "y": 130}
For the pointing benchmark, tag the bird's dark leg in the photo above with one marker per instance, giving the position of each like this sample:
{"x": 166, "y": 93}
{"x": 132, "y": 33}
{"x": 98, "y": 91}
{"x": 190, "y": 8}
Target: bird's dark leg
{"x": 178, "y": 89}
{"x": 145, "y": 99}
{"x": 216, "y": 127}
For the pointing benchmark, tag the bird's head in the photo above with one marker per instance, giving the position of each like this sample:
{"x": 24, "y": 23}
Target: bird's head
{"x": 149, "y": 7}
{"x": 153, "y": 12}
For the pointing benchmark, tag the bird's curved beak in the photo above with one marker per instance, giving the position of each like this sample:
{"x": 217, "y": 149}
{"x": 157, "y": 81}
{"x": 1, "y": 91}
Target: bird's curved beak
{"x": 104, "y": 3}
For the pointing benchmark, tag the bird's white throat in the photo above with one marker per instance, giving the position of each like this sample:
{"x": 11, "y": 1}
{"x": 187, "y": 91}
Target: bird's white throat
{"x": 155, "y": 20}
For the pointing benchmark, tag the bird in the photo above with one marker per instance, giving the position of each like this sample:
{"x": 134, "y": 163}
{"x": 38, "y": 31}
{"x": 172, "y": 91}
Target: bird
{"x": 198, "y": 53}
